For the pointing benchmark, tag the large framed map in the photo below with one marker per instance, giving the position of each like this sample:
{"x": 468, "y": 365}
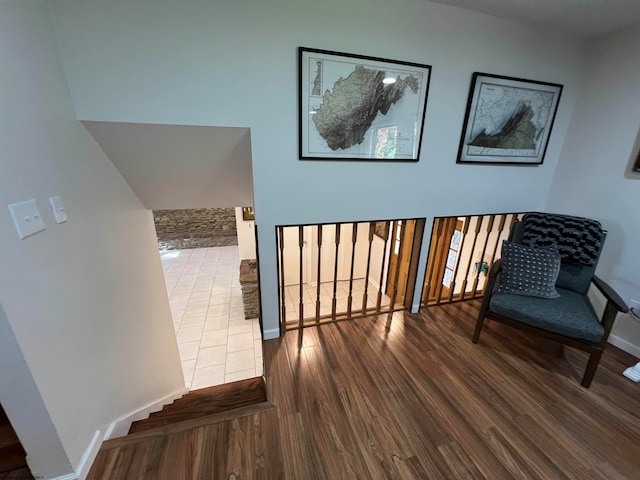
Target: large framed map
{"x": 508, "y": 120}
{"x": 354, "y": 107}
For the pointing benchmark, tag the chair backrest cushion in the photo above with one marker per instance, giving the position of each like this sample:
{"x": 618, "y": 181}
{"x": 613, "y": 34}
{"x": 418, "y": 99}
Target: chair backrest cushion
{"x": 578, "y": 240}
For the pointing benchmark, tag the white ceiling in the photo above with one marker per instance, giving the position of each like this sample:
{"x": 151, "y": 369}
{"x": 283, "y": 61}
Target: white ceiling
{"x": 180, "y": 166}
{"x": 587, "y": 18}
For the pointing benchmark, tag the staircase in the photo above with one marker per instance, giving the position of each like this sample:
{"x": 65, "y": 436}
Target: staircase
{"x": 198, "y": 408}
{"x": 12, "y": 455}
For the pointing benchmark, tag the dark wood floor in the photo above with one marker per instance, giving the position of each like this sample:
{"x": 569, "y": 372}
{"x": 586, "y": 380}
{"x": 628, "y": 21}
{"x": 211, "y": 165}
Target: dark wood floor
{"x": 418, "y": 401}
{"x": 205, "y": 401}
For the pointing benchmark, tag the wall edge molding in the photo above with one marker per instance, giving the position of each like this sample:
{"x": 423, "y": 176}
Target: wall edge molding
{"x": 117, "y": 428}
{"x": 625, "y": 345}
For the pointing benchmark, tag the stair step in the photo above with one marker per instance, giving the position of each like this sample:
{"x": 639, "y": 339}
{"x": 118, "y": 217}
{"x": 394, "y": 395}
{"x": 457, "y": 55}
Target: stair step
{"x": 22, "y": 473}
{"x": 202, "y": 421}
{"x": 204, "y": 402}
{"x": 8, "y": 437}
{"x": 12, "y": 457}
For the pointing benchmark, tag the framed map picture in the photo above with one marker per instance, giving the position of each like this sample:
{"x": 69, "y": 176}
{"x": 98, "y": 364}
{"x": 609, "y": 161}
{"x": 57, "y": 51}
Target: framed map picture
{"x": 508, "y": 120}
{"x": 354, "y": 107}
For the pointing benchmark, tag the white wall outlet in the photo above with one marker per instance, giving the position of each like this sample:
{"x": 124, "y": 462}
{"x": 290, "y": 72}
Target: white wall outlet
{"x": 58, "y": 210}
{"x": 26, "y": 217}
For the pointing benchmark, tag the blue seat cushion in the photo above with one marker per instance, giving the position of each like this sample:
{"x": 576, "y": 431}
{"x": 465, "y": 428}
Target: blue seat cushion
{"x": 571, "y": 314}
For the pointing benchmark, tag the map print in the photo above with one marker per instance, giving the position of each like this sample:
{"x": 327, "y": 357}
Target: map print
{"x": 317, "y": 82}
{"x": 348, "y": 111}
{"x": 509, "y": 121}
{"x": 361, "y": 107}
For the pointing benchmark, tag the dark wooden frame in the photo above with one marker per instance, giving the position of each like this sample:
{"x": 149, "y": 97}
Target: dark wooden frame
{"x": 614, "y": 305}
{"x": 636, "y": 165}
{"x": 347, "y": 57}
{"x": 381, "y": 230}
{"x": 465, "y": 125}
{"x": 248, "y": 214}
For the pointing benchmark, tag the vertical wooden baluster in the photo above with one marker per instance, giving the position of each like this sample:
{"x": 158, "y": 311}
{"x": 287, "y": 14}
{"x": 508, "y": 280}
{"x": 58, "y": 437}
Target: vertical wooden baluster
{"x": 384, "y": 259}
{"x": 282, "y": 286}
{"x": 465, "y": 229}
{"x": 354, "y": 239}
{"x": 372, "y": 227}
{"x": 301, "y": 286}
{"x": 473, "y": 247}
{"x": 410, "y": 247}
{"x": 503, "y": 221}
{"x": 318, "y": 275}
{"x": 447, "y": 240}
{"x": 335, "y": 274}
{"x": 484, "y": 250}
{"x": 392, "y": 302}
{"x": 436, "y": 233}
{"x": 500, "y": 231}
{"x": 514, "y": 217}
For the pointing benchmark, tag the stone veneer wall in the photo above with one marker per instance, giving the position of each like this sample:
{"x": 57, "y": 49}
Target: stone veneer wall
{"x": 249, "y": 284}
{"x": 195, "y": 228}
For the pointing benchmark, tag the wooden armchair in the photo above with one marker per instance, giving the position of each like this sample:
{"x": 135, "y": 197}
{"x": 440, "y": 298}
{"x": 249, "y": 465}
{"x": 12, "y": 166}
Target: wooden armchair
{"x": 516, "y": 293}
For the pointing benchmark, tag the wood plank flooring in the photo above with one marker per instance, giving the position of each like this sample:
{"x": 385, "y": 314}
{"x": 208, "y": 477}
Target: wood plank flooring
{"x": 205, "y": 401}
{"x": 417, "y": 401}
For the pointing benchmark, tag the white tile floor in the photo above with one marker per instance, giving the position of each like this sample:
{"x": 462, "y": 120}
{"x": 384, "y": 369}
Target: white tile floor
{"x": 310, "y": 295}
{"x": 217, "y": 345}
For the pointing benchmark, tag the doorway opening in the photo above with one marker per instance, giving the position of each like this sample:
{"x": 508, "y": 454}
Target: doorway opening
{"x": 214, "y": 306}
{"x": 337, "y": 271}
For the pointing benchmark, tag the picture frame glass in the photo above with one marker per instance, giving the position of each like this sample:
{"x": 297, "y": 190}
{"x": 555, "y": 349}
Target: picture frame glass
{"x": 508, "y": 120}
{"x": 355, "y": 107}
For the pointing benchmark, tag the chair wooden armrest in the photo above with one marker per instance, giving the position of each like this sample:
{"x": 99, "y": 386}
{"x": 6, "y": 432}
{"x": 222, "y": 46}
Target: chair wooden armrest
{"x": 610, "y": 294}
{"x": 495, "y": 268}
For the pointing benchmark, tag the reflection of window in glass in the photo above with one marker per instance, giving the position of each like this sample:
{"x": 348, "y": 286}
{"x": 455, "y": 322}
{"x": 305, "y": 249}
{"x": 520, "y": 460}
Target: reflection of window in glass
{"x": 386, "y": 142}
{"x": 452, "y": 257}
{"x": 396, "y": 244}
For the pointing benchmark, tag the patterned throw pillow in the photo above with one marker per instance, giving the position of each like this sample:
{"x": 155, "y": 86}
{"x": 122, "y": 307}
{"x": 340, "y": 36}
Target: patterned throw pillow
{"x": 528, "y": 271}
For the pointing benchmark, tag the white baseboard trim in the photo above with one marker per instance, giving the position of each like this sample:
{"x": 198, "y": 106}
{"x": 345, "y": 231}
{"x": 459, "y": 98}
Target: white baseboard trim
{"x": 623, "y": 344}
{"x": 374, "y": 283}
{"x": 271, "y": 334}
{"x": 90, "y": 453}
{"x": 68, "y": 476}
{"x": 118, "y": 428}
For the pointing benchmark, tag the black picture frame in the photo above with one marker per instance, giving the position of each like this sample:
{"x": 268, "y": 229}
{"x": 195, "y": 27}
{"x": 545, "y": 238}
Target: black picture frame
{"x": 356, "y": 107}
{"x": 508, "y": 120}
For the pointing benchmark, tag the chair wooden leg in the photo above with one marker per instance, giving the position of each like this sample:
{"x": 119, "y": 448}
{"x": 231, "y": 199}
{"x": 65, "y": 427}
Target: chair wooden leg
{"x": 592, "y": 365}
{"x": 479, "y": 324}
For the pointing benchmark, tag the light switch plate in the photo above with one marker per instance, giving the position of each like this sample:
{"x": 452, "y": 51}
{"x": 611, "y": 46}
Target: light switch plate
{"x": 58, "y": 210}
{"x": 26, "y": 218}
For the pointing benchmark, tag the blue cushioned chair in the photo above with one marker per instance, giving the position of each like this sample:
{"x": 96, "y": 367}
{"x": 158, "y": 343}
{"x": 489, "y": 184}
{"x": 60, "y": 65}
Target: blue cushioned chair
{"x": 569, "y": 319}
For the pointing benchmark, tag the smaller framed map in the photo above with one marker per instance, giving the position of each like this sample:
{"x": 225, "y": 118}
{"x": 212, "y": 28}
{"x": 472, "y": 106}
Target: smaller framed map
{"x": 508, "y": 120}
{"x": 353, "y": 107}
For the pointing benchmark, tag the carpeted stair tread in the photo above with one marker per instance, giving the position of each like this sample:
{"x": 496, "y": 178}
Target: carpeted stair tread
{"x": 206, "y": 401}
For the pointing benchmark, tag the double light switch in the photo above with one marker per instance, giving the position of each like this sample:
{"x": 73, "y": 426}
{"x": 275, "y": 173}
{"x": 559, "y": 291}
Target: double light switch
{"x": 27, "y": 218}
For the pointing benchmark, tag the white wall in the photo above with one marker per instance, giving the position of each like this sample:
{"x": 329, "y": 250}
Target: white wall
{"x": 233, "y": 63}
{"x": 246, "y": 236}
{"x": 590, "y": 179}
{"x": 85, "y": 299}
